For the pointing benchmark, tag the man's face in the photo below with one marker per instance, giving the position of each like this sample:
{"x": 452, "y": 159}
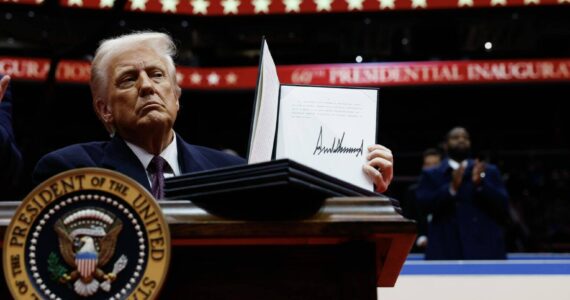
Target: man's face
{"x": 140, "y": 94}
{"x": 458, "y": 144}
{"x": 431, "y": 161}
{"x": 459, "y": 140}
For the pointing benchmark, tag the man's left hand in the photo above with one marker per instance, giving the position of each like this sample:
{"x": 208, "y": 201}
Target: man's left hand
{"x": 380, "y": 166}
{"x": 478, "y": 172}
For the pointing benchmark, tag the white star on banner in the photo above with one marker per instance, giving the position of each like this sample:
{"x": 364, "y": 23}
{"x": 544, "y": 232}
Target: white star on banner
{"x": 169, "y": 5}
{"x": 231, "y": 78}
{"x": 230, "y": 6}
{"x": 563, "y": 1}
{"x": 323, "y": 5}
{"x": 39, "y": 1}
{"x": 75, "y": 2}
{"x": 498, "y": 2}
{"x": 261, "y": 6}
{"x": 106, "y": 3}
{"x": 195, "y": 78}
{"x": 387, "y": 4}
{"x": 138, "y": 4}
{"x": 213, "y": 79}
{"x": 527, "y": 2}
{"x": 200, "y": 6}
{"x": 292, "y": 5}
{"x": 354, "y": 4}
{"x": 461, "y": 3}
{"x": 419, "y": 3}
{"x": 179, "y": 77}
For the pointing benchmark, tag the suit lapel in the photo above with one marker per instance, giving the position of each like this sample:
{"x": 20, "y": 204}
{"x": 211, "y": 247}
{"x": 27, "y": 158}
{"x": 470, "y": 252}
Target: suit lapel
{"x": 445, "y": 168}
{"x": 119, "y": 157}
{"x": 186, "y": 157}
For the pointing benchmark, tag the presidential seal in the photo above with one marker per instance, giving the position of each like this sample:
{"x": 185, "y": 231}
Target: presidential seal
{"x": 90, "y": 234}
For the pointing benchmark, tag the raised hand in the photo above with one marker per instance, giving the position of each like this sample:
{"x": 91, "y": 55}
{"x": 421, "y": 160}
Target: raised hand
{"x": 380, "y": 166}
{"x": 478, "y": 172}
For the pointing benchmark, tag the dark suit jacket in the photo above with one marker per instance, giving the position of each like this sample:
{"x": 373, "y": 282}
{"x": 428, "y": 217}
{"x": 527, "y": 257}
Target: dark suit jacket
{"x": 116, "y": 155}
{"x": 10, "y": 157}
{"x": 467, "y": 225}
{"x": 413, "y": 211}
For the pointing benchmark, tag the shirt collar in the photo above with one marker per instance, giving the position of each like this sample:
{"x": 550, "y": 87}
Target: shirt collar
{"x": 455, "y": 165}
{"x": 170, "y": 154}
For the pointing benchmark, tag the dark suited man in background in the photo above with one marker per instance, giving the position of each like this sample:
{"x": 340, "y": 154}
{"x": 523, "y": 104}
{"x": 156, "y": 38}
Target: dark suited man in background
{"x": 10, "y": 157}
{"x": 467, "y": 201}
{"x": 136, "y": 96}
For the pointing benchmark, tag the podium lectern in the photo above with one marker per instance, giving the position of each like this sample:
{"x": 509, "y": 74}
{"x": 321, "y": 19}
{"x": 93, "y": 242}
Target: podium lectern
{"x": 347, "y": 250}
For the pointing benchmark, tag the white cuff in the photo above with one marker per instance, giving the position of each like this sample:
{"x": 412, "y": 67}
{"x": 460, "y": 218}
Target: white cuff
{"x": 451, "y": 191}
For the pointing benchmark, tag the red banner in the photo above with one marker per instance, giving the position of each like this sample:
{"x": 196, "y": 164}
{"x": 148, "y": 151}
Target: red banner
{"x": 369, "y": 74}
{"x": 29, "y": 2}
{"x": 419, "y": 73}
{"x": 24, "y": 68}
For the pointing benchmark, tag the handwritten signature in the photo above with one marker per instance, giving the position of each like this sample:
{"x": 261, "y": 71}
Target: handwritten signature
{"x": 336, "y": 146}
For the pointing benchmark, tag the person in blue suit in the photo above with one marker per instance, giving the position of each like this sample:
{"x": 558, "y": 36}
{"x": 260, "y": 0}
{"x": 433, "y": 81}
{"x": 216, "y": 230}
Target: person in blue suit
{"x": 466, "y": 201}
{"x": 136, "y": 96}
{"x": 10, "y": 156}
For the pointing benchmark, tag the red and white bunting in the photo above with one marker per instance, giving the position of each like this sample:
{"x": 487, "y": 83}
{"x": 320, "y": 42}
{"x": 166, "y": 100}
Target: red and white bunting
{"x": 371, "y": 74}
{"x": 253, "y": 7}
{"x": 256, "y": 7}
{"x": 93, "y": 4}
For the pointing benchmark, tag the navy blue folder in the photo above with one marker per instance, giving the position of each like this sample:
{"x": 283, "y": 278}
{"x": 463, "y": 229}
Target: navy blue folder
{"x": 274, "y": 190}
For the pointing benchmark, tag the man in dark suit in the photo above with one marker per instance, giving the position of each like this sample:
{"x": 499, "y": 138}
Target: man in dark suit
{"x": 467, "y": 200}
{"x": 135, "y": 94}
{"x": 10, "y": 157}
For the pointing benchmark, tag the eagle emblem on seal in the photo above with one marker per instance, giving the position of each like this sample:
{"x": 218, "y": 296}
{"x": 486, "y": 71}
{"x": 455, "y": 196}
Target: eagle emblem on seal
{"x": 87, "y": 239}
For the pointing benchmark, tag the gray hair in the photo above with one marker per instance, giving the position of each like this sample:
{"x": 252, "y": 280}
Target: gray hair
{"x": 161, "y": 43}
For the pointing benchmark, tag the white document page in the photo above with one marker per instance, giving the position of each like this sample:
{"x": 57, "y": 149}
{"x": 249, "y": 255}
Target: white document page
{"x": 265, "y": 115}
{"x": 328, "y": 129}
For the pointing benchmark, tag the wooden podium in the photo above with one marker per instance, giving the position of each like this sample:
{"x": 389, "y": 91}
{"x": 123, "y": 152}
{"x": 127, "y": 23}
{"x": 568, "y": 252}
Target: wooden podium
{"x": 351, "y": 247}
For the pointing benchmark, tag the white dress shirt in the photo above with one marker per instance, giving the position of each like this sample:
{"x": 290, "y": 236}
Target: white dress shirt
{"x": 170, "y": 154}
{"x": 455, "y": 165}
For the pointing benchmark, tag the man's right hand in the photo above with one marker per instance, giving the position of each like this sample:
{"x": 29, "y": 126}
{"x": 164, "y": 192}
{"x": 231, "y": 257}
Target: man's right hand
{"x": 4, "y": 86}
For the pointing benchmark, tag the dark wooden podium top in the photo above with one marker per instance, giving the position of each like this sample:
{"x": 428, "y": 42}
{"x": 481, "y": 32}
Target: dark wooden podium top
{"x": 340, "y": 220}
